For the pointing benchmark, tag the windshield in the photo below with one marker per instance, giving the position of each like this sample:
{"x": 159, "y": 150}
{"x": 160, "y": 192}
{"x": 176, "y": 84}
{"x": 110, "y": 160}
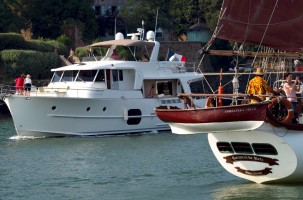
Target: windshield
{"x": 69, "y": 76}
{"x": 57, "y": 76}
{"x": 86, "y": 75}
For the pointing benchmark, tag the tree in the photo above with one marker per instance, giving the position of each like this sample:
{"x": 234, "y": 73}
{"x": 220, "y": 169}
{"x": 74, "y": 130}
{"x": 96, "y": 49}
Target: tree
{"x": 185, "y": 13}
{"x": 9, "y": 21}
{"x": 175, "y": 15}
{"x": 47, "y": 19}
{"x": 212, "y": 11}
{"x": 147, "y": 11}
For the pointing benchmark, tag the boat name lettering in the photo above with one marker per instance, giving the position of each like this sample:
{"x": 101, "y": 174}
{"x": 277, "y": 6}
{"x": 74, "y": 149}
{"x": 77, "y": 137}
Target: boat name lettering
{"x": 262, "y": 172}
{"x": 240, "y": 110}
{"x": 234, "y": 158}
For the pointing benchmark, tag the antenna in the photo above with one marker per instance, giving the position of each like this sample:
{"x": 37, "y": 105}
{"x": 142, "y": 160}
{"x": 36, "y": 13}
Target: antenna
{"x": 142, "y": 36}
{"x": 156, "y": 24}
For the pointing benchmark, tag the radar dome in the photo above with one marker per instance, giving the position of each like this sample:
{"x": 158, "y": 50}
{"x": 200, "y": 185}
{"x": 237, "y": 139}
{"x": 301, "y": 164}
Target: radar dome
{"x": 134, "y": 37}
{"x": 150, "y": 35}
{"x": 119, "y": 36}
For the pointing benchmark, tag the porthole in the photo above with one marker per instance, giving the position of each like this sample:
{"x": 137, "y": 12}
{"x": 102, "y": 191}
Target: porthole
{"x": 224, "y": 147}
{"x": 54, "y": 108}
{"x": 88, "y": 109}
{"x": 242, "y": 147}
{"x": 264, "y": 149}
{"x": 104, "y": 109}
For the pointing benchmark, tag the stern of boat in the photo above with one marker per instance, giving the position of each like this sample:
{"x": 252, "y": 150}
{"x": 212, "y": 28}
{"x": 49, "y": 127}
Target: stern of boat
{"x": 258, "y": 156}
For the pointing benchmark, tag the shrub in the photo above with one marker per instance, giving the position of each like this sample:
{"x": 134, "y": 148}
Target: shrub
{"x": 38, "y": 45}
{"x": 16, "y": 41}
{"x": 65, "y": 40}
{"x": 38, "y": 64}
{"x": 59, "y": 47}
{"x": 82, "y": 51}
{"x": 11, "y": 41}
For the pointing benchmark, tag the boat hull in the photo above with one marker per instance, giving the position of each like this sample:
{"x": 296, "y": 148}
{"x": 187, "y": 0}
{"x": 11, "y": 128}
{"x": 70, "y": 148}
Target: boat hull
{"x": 194, "y": 128}
{"x": 266, "y": 155}
{"x": 54, "y": 116}
{"x": 203, "y": 120}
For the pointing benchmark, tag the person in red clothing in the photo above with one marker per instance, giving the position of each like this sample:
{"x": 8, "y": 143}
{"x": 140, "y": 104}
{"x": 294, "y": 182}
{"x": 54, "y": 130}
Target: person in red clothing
{"x": 20, "y": 84}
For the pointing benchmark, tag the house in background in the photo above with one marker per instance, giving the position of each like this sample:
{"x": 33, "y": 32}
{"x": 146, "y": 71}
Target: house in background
{"x": 103, "y": 6}
{"x": 199, "y": 32}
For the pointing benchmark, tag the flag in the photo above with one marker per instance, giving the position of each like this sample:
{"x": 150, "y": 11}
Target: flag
{"x": 172, "y": 56}
{"x": 170, "y": 53}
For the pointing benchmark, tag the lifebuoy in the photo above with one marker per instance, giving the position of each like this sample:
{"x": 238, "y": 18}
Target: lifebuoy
{"x": 288, "y": 106}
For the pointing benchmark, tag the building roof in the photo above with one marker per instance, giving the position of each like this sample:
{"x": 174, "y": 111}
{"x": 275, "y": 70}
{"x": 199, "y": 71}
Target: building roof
{"x": 198, "y": 27}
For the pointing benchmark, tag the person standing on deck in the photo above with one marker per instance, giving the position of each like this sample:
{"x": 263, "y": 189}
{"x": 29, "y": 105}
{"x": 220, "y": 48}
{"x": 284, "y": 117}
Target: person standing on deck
{"x": 290, "y": 90}
{"x": 259, "y": 86}
{"x": 20, "y": 84}
{"x": 27, "y": 84}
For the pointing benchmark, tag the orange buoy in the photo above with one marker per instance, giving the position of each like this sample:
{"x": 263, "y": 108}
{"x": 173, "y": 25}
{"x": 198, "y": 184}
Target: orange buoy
{"x": 220, "y": 91}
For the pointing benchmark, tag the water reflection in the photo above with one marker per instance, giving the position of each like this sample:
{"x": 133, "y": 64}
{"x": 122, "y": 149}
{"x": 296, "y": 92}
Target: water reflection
{"x": 251, "y": 190}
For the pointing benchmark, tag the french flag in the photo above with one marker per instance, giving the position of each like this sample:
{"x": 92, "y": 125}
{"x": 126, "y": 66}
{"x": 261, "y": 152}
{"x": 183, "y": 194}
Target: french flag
{"x": 172, "y": 56}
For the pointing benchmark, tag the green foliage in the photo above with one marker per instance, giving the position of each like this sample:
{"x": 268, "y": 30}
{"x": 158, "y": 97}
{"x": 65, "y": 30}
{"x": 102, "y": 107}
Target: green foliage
{"x": 47, "y": 19}
{"x": 38, "y": 45}
{"x": 16, "y": 41}
{"x": 60, "y": 48}
{"x": 175, "y": 15}
{"x": 82, "y": 51}
{"x": 212, "y": 11}
{"x": 63, "y": 39}
{"x": 37, "y": 60}
{"x": 9, "y": 21}
{"x": 38, "y": 64}
{"x": 11, "y": 41}
{"x": 147, "y": 11}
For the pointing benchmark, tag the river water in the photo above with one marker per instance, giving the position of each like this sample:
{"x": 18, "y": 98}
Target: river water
{"x": 141, "y": 167}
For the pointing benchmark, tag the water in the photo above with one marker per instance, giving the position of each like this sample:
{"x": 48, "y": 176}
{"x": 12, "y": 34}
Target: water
{"x": 142, "y": 167}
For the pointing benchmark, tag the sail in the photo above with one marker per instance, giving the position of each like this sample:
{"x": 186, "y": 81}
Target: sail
{"x": 274, "y": 23}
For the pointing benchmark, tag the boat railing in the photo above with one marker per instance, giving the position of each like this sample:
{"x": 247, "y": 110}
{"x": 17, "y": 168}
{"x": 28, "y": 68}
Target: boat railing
{"x": 216, "y": 100}
{"x": 190, "y": 66}
{"x": 6, "y": 90}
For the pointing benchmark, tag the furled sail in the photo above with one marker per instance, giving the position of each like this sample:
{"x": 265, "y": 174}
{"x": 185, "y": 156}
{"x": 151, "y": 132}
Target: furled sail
{"x": 274, "y": 23}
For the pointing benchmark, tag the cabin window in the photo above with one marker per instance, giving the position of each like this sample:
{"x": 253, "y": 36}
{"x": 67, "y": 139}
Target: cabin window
{"x": 165, "y": 87}
{"x": 120, "y": 75}
{"x": 224, "y": 147}
{"x": 86, "y": 75}
{"x": 100, "y": 76}
{"x": 117, "y": 75}
{"x": 264, "y": 149}
{"x": 57, "y": 76}
{"x": 69, "y": 76}
{"x": 242, "y": 147}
